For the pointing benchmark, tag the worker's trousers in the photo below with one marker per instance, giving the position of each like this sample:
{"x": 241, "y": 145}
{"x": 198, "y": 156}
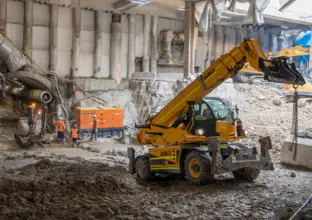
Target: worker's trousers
{"x": 93, "y": 134}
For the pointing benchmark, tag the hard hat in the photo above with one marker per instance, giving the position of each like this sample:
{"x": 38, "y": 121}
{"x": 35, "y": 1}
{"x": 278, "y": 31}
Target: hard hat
{"x": 94, "y": 116}
{"x": 75, "y": 126}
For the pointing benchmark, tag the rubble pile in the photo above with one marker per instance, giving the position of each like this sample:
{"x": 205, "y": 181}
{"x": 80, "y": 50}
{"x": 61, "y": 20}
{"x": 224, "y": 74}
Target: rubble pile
{"x": 60, "y": 190}
{"x": 262, "y": 118}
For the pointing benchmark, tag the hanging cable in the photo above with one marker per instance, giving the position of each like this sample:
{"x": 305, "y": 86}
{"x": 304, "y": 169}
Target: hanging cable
{"x": 294, "y": 143}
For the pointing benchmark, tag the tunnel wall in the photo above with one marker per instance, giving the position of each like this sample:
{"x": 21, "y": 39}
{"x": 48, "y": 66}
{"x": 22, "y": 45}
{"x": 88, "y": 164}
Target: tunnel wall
{"x": 221, "y": 39}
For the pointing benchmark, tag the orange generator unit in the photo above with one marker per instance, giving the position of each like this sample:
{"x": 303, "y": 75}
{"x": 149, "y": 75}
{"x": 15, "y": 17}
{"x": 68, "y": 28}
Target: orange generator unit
{"x": 110, "y": 121}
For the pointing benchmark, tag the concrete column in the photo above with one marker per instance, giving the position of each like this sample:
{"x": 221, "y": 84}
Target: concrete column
{"x": 261, "y": 37}
{"x": 218, "y": 41}
{"x": 28, "y": 27}
{"x": 187, "y": 44}
{"x": 232, "y": 38}
{"x": 189, "y": 50}
{"x": 53, "y": 37}
{"x": 270, "y": 42}
{"x": 310, "y": 58}
{"x": 115, "y": 46}
{"x": 192, "y": 28}
{"x": 3, "y": 15}
{"x": 98, "y": 44}
{"x": 154, "y": 45}
{"x": 226, "y": 39}
{"x": 131, "y": 46}
{"x": 239, "y": 36}
{"x": 211, "y": 46}
{"x": 249, "y": 32}
{"x": 146, "y": 35}
{"x": 280, "y": 40}
{"x": 76, "y": 42}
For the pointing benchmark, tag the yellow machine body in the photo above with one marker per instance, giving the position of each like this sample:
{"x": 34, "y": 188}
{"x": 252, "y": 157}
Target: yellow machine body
{"x": 184, "y": 144}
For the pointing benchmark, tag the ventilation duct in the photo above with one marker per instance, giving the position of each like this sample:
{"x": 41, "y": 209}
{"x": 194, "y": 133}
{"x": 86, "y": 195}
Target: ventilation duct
{"x": 205, "y": 18}
{"x": 210, "y": 8}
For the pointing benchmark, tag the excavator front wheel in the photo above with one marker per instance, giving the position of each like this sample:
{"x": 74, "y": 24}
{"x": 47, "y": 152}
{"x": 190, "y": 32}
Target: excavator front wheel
{"x": 198, "y": 168}
{"x": 248, "y": 174}
{"x": 143, "y": 170}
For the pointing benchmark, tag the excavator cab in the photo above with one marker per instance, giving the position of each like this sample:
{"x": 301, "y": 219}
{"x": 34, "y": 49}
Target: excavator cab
{"x": 208, "y": 112}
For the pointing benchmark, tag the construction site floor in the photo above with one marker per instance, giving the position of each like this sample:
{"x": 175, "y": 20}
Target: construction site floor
{"x": 91, "y": 181}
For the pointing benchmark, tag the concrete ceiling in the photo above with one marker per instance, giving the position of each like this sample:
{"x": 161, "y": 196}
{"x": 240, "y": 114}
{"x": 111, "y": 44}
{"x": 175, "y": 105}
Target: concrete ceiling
{"x": 296, "y": 14}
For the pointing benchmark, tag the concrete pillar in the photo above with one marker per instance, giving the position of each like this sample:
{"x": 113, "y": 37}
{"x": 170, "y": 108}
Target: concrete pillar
{"x": 28, "y": 27}
{"x": 261, "y": 37}
{"x": 189, "y": 50}
{"x": 211, "y": 46}
{"x": 76, "y": 42}
{"x": 193, "y": 33}
{"x": 218, "y": 41}
{"x": 98, "y": 44}
{"x": 280, "y": 40}
{"x": 239, "y": 36}
{"x": 131, "y": 46}
{"x": 3, "y": 15}
{"x": 53, "y": 37}
{"x": 310, "y": 57}
{"x": 232, "y": 38}
{"x": 249, "y": 32}
{"x": 115, "y": 46}
{"x": 270, "y": 49}
{"x": 154, "y": 45}
{"x": 187, "y": 45}
{"x": 226, "y": 39}
{"x": 146, "y": 36}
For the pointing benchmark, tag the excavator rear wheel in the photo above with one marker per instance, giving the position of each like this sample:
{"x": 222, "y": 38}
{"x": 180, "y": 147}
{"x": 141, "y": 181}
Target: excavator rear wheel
{"x": 198, "y": 168}
{"x": 143, "y": 170}
{"x": 248, "y": 174}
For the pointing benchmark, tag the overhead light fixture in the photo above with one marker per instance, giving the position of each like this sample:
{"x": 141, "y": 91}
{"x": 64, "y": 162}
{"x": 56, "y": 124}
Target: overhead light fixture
{"x": 285, "y": 27}
{"x": 181, "y": 8}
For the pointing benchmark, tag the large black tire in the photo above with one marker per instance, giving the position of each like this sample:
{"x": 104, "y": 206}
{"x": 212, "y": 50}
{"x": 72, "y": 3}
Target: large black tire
{"x": 198, "y": 168}
{"x": 248, "y": 174}
{"x": 143, "y": 170}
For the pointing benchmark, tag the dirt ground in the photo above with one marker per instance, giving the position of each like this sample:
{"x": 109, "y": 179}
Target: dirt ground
{"x": 92, "y": 181}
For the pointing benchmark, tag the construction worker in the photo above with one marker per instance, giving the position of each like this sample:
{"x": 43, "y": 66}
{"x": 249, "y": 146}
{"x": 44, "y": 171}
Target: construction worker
{"x": 94, "y": 128}
{"x": 60, "y": 127}
{"x": 74, "y": 135}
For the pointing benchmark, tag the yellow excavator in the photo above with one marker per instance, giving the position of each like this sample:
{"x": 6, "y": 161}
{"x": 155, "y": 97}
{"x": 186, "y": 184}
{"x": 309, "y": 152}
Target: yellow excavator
{"x": 194, "y": 136}
{"x": 248, "y": 74}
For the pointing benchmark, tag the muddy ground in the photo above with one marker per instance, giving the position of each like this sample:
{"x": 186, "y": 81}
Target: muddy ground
{"x": 92, "y": 182}
{"x": 80, "y": 189}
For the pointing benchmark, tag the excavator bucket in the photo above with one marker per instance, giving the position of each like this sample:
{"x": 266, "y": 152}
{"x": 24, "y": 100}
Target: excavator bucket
{"x": 279, "y": 71}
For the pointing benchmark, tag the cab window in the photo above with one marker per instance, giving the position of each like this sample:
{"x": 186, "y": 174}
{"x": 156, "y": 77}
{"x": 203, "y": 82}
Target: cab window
{"x": 202, "y": 112}
{"x": 221, "y": 111}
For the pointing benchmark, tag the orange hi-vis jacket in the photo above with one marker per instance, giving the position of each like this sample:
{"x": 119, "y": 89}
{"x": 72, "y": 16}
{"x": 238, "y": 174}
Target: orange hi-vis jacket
{"x": 60, "y": 125}
{"x": 74, "y": 133}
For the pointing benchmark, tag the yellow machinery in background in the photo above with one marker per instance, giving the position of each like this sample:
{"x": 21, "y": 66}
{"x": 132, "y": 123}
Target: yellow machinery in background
{"x": 248, "y": 74}
{"x": 194, "y": 136}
